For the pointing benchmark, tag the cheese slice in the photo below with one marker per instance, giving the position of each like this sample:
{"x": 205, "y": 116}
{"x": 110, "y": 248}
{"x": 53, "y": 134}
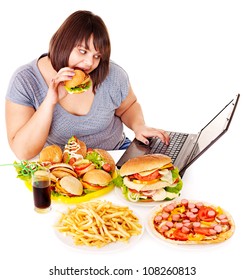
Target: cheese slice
{"x": 167, "y": 176}
{"x": 172, "y": 195}
{"x": 146, "y": 173}
{"x": 159, "y": 195}
{"x": 144, "y": 187}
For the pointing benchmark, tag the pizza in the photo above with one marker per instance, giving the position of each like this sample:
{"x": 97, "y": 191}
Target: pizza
{"x": 191, "y": 222}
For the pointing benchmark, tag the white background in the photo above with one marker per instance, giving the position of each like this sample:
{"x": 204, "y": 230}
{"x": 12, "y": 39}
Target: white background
{"x": 185, "y": 60}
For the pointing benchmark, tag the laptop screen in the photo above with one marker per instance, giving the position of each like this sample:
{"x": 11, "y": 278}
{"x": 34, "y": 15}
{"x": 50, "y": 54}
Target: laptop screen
{"x": 213, "y": 131}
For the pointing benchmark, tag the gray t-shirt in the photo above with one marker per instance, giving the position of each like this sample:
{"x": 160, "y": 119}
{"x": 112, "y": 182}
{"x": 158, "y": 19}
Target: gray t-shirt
{"x": 100, "y": 128}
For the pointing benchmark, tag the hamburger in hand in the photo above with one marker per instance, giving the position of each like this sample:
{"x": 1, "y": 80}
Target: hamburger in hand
{"x": 150, "y": 178}
{"x": 80, "y": 82}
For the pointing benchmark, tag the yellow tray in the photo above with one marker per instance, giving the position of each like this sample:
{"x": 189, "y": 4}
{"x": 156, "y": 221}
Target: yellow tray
{"x": 76, "y": 199}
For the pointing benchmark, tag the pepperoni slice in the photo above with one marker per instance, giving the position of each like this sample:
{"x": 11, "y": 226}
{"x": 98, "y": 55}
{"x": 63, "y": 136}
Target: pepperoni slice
{"x": 178, "y": 225}
{"x": 158, "y": 219}
{"x": 184, "y": 202}
{"x": 196, "y": 224}
{"x": 193, "y": 218}
{"x": 165, "y": 215}
{"x": 218, "y": 228}
{"x": 169, "y": 224}
{"x": 222, "y": 217}
{"x": 175, "y": 217}
{"x": 185, "y": 229}
{"x": 163, "y": 229}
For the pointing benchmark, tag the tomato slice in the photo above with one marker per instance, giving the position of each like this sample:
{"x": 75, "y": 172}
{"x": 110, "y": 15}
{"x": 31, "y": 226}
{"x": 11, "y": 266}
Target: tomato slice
{"x": 203, "y": 214}
{"x": 179, "y": 235}
{"x": 72, "y": 161}
{"x": 149, "y": 177}
{"x": 203, "y": 230}
{"x": 82, "y": 166}
{"x": 92, "y": 187}
{"x": 133, "y": 190}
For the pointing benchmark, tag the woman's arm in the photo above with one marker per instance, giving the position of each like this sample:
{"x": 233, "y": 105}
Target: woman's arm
{"x": 27, "y": 129}
{"x": 131, "y": 115}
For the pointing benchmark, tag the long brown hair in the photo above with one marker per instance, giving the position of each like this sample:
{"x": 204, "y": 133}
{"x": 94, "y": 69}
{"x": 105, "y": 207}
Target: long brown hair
{"x": 77, "y": 27}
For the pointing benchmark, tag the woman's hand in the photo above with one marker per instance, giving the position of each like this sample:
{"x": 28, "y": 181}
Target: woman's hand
{"x": 143, "y": 132}
{"x": 56, "y": 91}
{"x": 131, "y": 114}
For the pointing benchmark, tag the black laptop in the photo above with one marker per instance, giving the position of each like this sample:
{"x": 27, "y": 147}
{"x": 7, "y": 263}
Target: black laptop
{"x": 185, "y": 148}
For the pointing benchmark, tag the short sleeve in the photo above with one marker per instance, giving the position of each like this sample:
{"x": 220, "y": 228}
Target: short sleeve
{"x": 24, "y": 88}
{"x": 116, "y": 86}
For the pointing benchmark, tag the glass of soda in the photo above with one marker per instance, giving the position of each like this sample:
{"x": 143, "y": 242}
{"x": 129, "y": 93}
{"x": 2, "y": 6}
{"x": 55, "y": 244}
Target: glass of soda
{"x": 41, "y": 190}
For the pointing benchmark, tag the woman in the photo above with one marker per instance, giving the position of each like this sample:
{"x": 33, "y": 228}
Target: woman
{"x": 40, "y": 112}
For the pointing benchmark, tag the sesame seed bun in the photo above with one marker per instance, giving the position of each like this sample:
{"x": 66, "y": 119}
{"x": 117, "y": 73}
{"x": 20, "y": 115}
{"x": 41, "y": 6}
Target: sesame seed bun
{"x": 144, "y": 163}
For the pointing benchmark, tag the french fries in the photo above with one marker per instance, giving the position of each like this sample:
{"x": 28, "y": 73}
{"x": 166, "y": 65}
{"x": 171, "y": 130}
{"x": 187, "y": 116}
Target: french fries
{"x": 99, "y": 223}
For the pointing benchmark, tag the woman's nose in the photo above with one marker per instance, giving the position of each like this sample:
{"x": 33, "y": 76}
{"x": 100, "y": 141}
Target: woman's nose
{"x": 89, "y": 61}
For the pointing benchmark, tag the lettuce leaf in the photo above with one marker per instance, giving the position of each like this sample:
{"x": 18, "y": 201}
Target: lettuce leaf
{"x": 95, "y": 158}
{"x": 175, "y": 189}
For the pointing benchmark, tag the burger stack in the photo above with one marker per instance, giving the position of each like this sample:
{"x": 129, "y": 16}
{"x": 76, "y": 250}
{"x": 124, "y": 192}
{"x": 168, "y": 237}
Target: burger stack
{"x": 76, "y": 170}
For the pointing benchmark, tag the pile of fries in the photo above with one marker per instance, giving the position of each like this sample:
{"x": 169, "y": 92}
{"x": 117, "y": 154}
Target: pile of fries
{"x": 99, "y": 223}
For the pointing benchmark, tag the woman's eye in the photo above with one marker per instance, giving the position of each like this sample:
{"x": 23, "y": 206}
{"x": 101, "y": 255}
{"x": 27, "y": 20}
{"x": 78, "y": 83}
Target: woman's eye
{"x": 97, "y": 56}
{"x": 82, "y": 51}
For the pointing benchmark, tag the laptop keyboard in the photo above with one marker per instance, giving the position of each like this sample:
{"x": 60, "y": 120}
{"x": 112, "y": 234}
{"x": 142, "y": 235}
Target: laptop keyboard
{"x": 177, "y": 140}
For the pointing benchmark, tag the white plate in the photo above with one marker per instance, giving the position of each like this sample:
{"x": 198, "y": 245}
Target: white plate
{"x": 119, "y": 194}
{"x": 111, "y": 247}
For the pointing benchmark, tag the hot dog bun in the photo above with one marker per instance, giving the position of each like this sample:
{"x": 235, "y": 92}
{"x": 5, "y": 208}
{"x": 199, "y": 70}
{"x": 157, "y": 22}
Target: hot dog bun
{"x": 75, "y": 149}
{"x": 107, "y": 158}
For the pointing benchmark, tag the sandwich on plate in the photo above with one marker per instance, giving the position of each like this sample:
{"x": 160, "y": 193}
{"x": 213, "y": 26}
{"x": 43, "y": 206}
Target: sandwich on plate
{"x": 149, "y": 178}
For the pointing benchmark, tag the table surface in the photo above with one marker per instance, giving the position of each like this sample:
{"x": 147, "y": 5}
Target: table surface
{"x": 30, "y": 246}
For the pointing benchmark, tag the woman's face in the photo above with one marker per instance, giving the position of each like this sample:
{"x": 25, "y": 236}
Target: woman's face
{"x": 84, "y": 58}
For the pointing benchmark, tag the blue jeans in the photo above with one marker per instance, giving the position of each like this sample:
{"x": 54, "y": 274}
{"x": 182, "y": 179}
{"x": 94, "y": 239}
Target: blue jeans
{"x": 126, "y": 144}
